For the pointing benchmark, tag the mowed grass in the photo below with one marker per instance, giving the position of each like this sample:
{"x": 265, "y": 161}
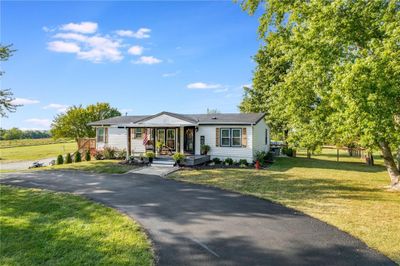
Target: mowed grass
{"x": 36, "y": 152}
{"x": 347, "y": 194}
{"x": 102, "y": 166}
{"x": 31, "y": 142}
{"x": 45, "y": 228}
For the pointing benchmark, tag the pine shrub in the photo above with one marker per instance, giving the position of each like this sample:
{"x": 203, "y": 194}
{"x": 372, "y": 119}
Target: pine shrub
{"x": 68, "y": 158}
{"x": 60, "y": 159}
{"x": 87, "y": 156}
{"x": 78, "y": 157}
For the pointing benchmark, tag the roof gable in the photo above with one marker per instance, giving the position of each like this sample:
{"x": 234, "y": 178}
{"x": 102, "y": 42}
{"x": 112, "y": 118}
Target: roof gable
{"x": 166, "y": 118}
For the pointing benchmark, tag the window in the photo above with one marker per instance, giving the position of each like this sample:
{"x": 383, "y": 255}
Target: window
{"x": 236, "y": 137}
{"x": 231, "y": 137}
{"x": 266, "y": 137}
{"x": 100, "y": 134}
{"x": 202, "y": 140}
{"x": 171, "y": 138}
{"x": 225, "y": 137}
{"x": 138, "y": 133}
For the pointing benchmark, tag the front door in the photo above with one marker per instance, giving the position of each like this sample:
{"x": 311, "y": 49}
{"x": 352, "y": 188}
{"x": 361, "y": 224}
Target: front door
{"x": 189, "y": 140}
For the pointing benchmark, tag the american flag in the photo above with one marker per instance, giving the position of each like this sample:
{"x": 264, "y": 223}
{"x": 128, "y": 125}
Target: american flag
{"x": 145, "y": 138}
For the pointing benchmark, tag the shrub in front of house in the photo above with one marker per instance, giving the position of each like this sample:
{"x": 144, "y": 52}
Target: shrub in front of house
{"x": 109, "y": 153}
{"x": 60, "y": 159}
{"x": 228, "y": 161}
{"x": 243, "y": 162}
{"x": 288, "y": 151}
{"x": 99, "y": 155}
{"x": 216, "y": 160}
{"x": 68, "y": 158}
{"x": 264, "y": 157}
{"x": 88, "y": 157}
{"x": 77, "y": 157}
{"x": 120, "y": 154}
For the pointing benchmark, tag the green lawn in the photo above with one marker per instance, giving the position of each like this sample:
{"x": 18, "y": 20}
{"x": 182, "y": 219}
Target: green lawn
{"x": 347, "y": 194}
{"x": 31, "y": 142}
{"x": 44, "y": 228}
{"x": 36, "y": 152}
{"x": 103, "y": 166}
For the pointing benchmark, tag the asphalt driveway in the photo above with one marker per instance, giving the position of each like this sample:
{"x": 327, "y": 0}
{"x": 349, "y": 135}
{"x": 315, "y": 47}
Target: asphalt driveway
{"x": 196, "y": 225}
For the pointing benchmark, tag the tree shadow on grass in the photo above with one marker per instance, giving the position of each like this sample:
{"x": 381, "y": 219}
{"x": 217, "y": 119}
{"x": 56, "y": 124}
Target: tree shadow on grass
{"x": 284, "y": 164}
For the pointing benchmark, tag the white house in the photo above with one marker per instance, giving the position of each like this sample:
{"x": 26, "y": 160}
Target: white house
{"x": 238, "y": 136}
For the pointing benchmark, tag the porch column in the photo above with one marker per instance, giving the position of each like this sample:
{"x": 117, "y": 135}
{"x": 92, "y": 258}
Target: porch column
{"x": 128, "y": 139}
{"x": 181, "y": 140}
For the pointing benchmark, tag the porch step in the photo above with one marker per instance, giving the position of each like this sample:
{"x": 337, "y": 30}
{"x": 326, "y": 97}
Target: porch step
{"x": 163, "y": 162}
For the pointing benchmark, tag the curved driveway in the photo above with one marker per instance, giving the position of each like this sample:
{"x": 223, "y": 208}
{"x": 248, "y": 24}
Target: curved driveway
{"x": 196, "y": 225}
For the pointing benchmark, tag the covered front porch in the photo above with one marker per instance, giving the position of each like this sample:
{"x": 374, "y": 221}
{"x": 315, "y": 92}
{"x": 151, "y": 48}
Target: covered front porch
{"x": 162, "y": 140}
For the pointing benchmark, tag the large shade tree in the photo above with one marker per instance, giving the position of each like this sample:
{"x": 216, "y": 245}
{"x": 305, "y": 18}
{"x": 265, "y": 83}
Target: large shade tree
{"x": 6, "y": 95}
{"x": 330, "y": 71}
{"x": 74, "y": 122}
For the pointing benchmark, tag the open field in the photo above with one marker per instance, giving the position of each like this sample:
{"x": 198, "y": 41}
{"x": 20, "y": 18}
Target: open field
{"x": 347, "y": 194}
{"x": 30, "y": 142}
{"x": 103, "y": 166}
{"x": 36, "y": 152}
{"x": 45, "y": 228}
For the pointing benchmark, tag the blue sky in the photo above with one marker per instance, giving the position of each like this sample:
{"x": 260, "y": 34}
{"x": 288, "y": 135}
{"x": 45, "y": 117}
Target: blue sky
{"x": 141, "y": 57}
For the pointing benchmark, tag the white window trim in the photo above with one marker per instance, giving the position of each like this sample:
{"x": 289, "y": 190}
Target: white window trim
{"x": 97, "y": 135}
{"x": 240, "y": 137}
{"x": 230, "y": 130}
{"x": 229, "y": 137}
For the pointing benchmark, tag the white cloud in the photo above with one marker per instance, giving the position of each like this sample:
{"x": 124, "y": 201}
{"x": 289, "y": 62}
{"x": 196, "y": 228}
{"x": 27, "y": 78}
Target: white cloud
{"x": 56, "y": 106}
{"x": 63, "y": 47}
{"x": 172, "y": 74}
{"x": 95, "y": 48}
{"x": 100, "y": 49}
{"x": 71, "y": 36}
{"x": 148, "y": 60}
{"x": 247, "y": 85}
{"x": 23, "y": 101}
{"x": 45, "y": 123}
{"x": 136, "y": 50}
{"x": 142, "y": 33}
{"x": 202, "y": 86}
{"x": 83, "y": 27}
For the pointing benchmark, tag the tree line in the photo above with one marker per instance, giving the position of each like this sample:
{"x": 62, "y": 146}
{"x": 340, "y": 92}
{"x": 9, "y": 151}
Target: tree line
{"x": 16, "y": 133}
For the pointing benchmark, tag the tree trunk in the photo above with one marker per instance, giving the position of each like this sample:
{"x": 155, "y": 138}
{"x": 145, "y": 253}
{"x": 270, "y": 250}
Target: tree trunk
{"x": 389, "y": 163}
{"x": 398, "y": 158}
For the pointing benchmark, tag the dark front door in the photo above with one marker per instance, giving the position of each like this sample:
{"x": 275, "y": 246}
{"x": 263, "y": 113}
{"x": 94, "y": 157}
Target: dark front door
{"x": 189, "y": 140}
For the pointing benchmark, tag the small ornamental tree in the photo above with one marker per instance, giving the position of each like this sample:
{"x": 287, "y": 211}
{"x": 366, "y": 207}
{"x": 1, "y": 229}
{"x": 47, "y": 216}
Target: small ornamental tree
{"x": 87, "y": 156}
{"x": 60, "y": 159}
{"x": 68, "y": 158}
{"x": 77, "y": 157}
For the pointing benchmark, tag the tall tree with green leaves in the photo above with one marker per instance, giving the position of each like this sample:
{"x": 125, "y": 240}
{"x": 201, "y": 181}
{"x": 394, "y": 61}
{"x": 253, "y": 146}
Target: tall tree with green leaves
{"x": 330, "y": 71}
{"x": 6, "y": 95}
{"x": 74, "y": 122}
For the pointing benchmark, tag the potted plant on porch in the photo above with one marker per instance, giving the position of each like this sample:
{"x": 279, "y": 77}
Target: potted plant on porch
{"x": 204, "y": 149}
{"x": 159, "y": 146}
{"x": 150, "y": 155}
{"x": 178, "y": 158}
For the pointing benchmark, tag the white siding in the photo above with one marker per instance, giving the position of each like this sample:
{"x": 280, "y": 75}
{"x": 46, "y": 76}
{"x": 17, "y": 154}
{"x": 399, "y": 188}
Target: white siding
{"x": 236, "y": 153}
{"x": 137, "y": 146}
{"x": 259, "y": 137}
{"x": 116, "y": 139}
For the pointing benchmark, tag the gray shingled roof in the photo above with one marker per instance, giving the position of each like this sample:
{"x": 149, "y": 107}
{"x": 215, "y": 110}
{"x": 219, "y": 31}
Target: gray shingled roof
{"x": 232, "y": 118}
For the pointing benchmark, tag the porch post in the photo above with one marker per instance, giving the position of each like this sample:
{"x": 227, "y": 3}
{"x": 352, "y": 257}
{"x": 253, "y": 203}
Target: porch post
{"x": 181, "y": 140}
{"x": 128, "y": 139}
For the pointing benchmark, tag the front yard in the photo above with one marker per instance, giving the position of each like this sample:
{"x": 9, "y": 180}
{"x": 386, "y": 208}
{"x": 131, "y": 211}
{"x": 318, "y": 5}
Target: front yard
{"x": 45, "y": 228}
{"x": 101, "y": 166}
{"x": 346, "y": 194}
